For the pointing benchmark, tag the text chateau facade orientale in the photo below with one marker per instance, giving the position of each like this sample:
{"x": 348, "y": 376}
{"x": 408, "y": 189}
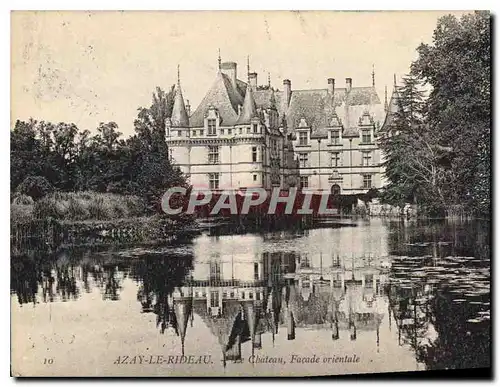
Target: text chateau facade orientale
{"x": 244, "y": 135}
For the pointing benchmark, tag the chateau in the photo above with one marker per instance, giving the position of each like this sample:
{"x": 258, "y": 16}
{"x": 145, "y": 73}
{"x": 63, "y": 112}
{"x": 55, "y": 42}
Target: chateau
{"x": 244, "y": 135}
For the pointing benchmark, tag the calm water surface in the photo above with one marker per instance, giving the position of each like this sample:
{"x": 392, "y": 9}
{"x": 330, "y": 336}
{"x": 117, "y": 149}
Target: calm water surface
{"x": 371, "y": 296}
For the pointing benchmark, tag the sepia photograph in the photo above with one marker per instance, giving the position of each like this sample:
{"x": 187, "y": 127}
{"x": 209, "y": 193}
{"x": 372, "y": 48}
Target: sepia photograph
{"x": 250, "y": 193}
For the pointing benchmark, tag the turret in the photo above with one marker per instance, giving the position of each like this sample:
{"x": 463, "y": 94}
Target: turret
{"x": 180, "y": 117}
{"x": 249, "y": 109}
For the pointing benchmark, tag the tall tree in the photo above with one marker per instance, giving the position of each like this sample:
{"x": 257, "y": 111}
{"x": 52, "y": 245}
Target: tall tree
{"x": 155, "y": 173}
{"x": 457, "y": 67}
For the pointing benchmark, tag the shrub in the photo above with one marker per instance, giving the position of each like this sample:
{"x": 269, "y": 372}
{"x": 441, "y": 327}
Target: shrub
{"x": 35, "y": 187}
{"x": 84, "y": 206}
{"x": 99, "y": 209}
{"x": 77, "y": 209}
{"x": 20, "y": 213}
{"x": 48, "y": 207}
{"x": 21, "y": 199}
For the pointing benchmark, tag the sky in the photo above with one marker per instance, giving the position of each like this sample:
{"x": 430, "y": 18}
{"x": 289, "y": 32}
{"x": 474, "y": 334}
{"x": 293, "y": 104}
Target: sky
{"x": 92, "y": 67}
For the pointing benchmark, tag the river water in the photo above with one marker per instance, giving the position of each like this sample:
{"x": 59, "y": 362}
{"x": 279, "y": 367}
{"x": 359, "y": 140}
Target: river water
{"x": 360, "y": 296}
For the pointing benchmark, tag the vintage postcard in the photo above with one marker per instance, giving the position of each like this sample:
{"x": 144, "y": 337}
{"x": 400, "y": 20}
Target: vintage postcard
{"x": 251, "y": 193}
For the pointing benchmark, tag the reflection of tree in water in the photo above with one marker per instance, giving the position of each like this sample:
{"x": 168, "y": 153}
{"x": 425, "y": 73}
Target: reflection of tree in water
{"x": 470, "y": 343}
{"x": 64, "y": 275}
{"x": 436, "y": 328}
{"x": 53, "y": 275}
{"x": 25, "y": 276}
{"x": 158, "y": 276}
{"x": 436, "y": 312}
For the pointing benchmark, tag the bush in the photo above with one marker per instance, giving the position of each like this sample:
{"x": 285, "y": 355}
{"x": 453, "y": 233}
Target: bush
{"x": 48, "y": 207}
{"x": 20, "y": 213}
{"x": 21, "y": 199}
{"x": 35, "y": 186}
{"x": 77, "y": 209}
{"x": 78, "y": 206}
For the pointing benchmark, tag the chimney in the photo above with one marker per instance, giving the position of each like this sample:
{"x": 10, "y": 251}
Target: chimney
{"x": 331, "y": 86}
{"x": 348, "y": 84}
{"x": 188, "y": 107}
{"x": 229, "y": 68}
{"x": 287, "y": 91}
{"x": 252, "y": 78}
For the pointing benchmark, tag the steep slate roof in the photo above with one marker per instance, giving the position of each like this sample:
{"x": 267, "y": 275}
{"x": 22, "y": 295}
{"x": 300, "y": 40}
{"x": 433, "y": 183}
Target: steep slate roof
{"x": 263, "y": 98}
{"x": 223, "y": 96}
{"x": 249, "y": 109}
{"x": 179, "y": 114}
{"x": 392, "y": 108}
{"x": 315, "y": 105}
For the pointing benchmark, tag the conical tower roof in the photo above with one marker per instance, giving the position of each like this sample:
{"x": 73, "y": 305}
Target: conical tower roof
{"x": 249, "y": 109}
{"x": 183, "y": 308}
{"x": 179, "y": 117}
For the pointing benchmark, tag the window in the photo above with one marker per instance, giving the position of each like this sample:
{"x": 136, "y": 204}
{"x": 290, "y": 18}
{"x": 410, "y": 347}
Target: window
{"x": 254, "y": 154}
{"x": 255, "y": 271}
{"x": 213, "y": 155}
{"x": 242, "y": 295}
{"x": 221, "y": 131}
{"x": 303, "y": 160}
{"x": 367, "y": 159}
{"x": 230, "y": 131}
{"x": 255, "y": 128}
{"x": 214, "y": 271}
{"x": 254, "y": 177}
{"x": 214, "y": 299}
{"x": 179, "y": 133}
{"x": 367, "y": 181}
{"x": 366, "y": 136}
{"x": 202, "y": 132}
{"x": 335, "y": 139}
{"x": 302, "y": 138}
{"x": 241, "y": 130}
{"x": 194, "y": 133}
{"x": 213, "y": 180}
{"x": 211, "y": 127}
{"x": 335, "y": 159}
{"x": 304, "y": 182}
{"x": 248, "y": 130}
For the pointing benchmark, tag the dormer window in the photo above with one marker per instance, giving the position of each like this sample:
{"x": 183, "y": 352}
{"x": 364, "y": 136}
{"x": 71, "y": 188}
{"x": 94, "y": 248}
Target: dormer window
{"x": 255, "y": 128}
{"x": 303, "y": 138}
{"x": 335, "y": 137}
{"x": 211, "y": 127}
{"x": 366, "y": 136}
{"x": 179, "y": 133}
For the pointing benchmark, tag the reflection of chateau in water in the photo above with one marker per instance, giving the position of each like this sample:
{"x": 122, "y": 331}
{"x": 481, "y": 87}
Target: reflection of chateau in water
{"x": 242, "y": 293}
{"x": 335, "y": 285}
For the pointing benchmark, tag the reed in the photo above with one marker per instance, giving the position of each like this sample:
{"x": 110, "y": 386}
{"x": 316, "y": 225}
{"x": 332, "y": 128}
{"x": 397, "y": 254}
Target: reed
{"x": 79, "y": 206}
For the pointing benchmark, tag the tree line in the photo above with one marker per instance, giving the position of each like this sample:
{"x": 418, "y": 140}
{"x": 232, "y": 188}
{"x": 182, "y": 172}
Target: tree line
{"x": 437, "y": 142}
{"x": 46, "y": 156}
